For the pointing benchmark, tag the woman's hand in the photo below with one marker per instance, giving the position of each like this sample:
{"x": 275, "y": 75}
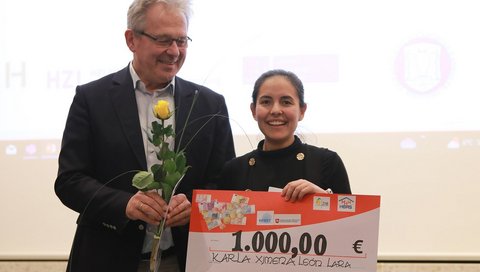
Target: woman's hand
{"x": 297, "y": 189}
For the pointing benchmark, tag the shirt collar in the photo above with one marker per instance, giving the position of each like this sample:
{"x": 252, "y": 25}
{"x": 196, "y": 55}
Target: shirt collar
{"x": 139, "y": 85}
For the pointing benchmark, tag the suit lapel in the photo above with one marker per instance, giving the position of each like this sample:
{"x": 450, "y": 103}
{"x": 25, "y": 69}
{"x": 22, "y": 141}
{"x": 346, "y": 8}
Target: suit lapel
{"x": 183, "y": 102}
{"x": 124, "y": 102}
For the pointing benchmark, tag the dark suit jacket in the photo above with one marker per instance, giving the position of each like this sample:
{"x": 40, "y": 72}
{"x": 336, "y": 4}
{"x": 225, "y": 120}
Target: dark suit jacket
{"x": 102, "y": 148}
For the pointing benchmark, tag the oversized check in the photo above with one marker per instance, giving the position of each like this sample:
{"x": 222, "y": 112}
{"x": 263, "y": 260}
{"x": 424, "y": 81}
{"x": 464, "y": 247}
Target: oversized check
{"x": 260, "y": 231}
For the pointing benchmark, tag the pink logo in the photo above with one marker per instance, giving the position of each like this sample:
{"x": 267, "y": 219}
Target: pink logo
{"x": 31, "y": 149}
{"x": 423, "y": 65}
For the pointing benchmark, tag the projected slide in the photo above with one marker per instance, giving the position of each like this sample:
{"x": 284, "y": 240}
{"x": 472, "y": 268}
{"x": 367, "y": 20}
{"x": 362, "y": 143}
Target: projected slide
{"x": 395, "y": 70}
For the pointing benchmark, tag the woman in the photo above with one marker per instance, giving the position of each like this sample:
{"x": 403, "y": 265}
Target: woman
{"x": 281, "y": 160}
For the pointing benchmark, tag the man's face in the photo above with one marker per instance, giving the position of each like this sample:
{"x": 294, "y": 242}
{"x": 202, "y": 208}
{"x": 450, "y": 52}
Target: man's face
{"x": 156, "y": 63}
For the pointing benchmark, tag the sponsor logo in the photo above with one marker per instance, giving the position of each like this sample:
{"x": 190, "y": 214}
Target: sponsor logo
{"x": 288, "y": 219}
{"x": 321, "y": 203}
{"x": 270, "y": 218}
{"x": 346, "y": 203}
{"x": 265, "y": 218}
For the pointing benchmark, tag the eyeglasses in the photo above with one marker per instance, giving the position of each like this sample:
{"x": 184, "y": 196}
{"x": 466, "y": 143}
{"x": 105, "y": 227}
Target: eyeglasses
{"x": 162, "y": 41}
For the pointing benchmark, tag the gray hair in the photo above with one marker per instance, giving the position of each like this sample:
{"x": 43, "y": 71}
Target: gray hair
{"x": 138, "y": 9}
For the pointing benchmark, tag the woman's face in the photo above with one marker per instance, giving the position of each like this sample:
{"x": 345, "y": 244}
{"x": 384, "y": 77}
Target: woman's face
{"x": 277, "y": 112}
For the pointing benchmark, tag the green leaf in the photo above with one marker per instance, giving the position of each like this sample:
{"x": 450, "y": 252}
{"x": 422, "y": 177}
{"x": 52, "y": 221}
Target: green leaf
{"x": 164, "y": 152}
{"x": 155, "y": 168}
{"x": 172, "y": 178}
{"x": 167, "y": 154}
{"x": 154, "y": 185}
{"x": 156, "y": 128}
{"x": 167, "y": 191}
{"x": 169, "y": 166}
{"x": 181, "y": 161}
{"x": 142, "y": 180}
{"x": 156, "y": 140}
{"x": 158, "y": 172}
{"x": 168, "y": 131}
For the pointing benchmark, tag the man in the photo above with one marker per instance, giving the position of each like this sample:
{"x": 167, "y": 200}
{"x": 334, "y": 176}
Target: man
{"x": 105, "y": 143}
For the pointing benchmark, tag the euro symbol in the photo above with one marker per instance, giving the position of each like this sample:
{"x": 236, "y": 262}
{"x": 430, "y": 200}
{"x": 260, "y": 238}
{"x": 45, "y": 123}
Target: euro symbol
{"x": 357, "y": 246}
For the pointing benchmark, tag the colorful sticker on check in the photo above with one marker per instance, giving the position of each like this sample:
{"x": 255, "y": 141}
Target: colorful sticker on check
{"x": 260, "y": 231}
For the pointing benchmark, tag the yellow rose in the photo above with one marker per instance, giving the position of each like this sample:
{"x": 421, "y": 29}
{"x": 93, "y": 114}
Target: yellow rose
{"x": 161, "y": 110}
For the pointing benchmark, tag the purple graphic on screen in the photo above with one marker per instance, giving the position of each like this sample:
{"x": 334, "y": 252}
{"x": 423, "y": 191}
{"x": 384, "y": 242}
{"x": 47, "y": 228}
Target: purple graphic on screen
{"x": 31, "y": 149}
{"x": 310, "y": 68}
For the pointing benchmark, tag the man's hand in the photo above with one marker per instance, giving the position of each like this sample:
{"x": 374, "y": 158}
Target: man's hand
{"x": 146, "y": 206}
{"x": 178, "y": 211}
{"x": 151, "y": 208}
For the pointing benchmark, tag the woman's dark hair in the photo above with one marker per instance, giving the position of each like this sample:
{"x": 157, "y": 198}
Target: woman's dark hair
{"x": 296, "y": 82}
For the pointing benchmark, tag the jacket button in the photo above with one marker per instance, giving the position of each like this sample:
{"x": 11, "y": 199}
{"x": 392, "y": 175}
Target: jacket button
{"x": 141, "y": 227}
